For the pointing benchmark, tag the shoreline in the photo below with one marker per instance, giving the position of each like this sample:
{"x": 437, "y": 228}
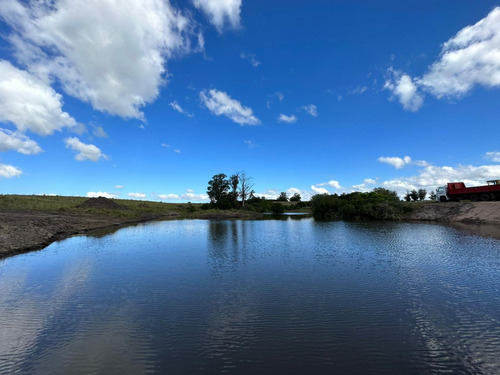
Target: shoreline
{"x": 23, "y": 231}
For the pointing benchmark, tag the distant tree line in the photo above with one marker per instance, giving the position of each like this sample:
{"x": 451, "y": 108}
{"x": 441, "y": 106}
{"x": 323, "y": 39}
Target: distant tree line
{"x": 415, "y": 195}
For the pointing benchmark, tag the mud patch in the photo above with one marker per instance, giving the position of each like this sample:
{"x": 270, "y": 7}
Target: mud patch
{"x": 102, "y": 203}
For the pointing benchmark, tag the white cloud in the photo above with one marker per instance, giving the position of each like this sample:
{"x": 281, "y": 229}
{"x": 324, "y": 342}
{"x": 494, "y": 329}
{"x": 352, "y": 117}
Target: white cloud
{"x": 369, "y": 181}
{"x": 179, "y": 109}
{"x": 97, "y": 194}
{"x": 8, "y": 171}
{"x": 85, "y": 151}
{"x": 319, "y": 190}
{"x": 99, "y": 132}
{"x": 405, "y": 89}
{"x": 288, "y": 119}
{"x": 430, "y": 177}
{"x": 136, "y": 195}
{"x": 304, "y": 195}
{"x": 220, "y": 103}
{"x": 29, "y": 103}
{"x": 177, "y": 151}
{"x": 396, "y": 162}
{"x": 250, "y": 57}
{"x": 493, "y": 156}
{"x": 168, "y": 196}
{"x": 189, "y": 195}
{"x": 470, "y": 58}
{"x": 119, "y": 186}
{"x": 251, "y": 145}
{"x": 268, "y": 194}
{"x": 111, "y": 54}
{"x": 334, "y": 184}
{"x": 220, "y": 12}
{"x": 10, "y": 140}
{"x": 311, "y": 109}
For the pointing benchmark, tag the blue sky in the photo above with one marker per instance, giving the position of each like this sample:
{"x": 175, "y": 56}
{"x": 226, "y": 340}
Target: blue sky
{"x": 149, "y": 99}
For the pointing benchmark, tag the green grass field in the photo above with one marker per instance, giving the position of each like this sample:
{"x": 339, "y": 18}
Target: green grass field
{"x": 63, "y": 204}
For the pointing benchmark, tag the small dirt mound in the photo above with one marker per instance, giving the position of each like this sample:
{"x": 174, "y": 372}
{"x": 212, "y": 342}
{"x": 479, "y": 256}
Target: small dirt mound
{"x": 102, "y": 203}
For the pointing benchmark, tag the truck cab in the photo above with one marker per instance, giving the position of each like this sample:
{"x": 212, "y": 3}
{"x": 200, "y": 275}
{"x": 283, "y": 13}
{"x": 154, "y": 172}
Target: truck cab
{"x": 442, "y": 194}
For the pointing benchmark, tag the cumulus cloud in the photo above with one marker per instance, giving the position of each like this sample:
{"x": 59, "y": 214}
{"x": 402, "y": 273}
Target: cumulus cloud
{"x": 332, "y": 183}
{"x": 97, "y": 194}
{"x": 430, "y": 177}
{"x": 119, "y": 186}
{"x": 288, "y": 119}
{"x": 469, "y": 59}
{"x": 168, "y": 196}
{"x": 250, "y": 57}
{"x": 304, "y": 195}
{"x": 221, "y": 12}
{"x": 111, "y": 54}
{"x": 179, "y": 109}
{"x": 29, "y": 103}
{"x": 220, "y": 103}
{"x": 369, "y": 181}
{"x": 84, "y": 151}
{"x": 136, "y": 195}
{"x": 189, "y": 195}
{"x": 10, "y": 140}
{"x": 8, "y": 171}
{"x": 319, "y": 190}
{"x": 268, "y": 194}
{"x": 402, "y": 86}
{"x": 311, "y": 109}
{"x": 493, "y": 156}
{"x": 395, "y": 161}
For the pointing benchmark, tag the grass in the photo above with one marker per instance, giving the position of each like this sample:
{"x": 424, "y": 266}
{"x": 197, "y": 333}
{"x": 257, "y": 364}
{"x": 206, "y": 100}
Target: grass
{"x": 63, "y": 204}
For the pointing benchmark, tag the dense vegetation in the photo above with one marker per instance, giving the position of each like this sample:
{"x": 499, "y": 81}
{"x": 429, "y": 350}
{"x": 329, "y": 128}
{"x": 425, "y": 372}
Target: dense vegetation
{"x": 380, "y": 204}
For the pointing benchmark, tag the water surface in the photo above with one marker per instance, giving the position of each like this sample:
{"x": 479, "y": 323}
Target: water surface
{"x": 270, "y": 296}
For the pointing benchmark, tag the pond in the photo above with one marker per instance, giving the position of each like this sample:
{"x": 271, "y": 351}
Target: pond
{"x": 269, "y": 296}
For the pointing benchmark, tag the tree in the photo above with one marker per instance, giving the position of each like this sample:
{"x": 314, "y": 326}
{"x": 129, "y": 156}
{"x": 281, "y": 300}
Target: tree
{"x": 282, "y": 197}
{"x": 432, "y": 195}
{"x": 408, "y": 196}
{"x": 218, "y": 188}
{"x": 295, "y": 198}
{"x": 235, "y": 180}
{"x": 414, "y": 195}
{"x": 421, "y": 194}
{"x": 246, "y": 185}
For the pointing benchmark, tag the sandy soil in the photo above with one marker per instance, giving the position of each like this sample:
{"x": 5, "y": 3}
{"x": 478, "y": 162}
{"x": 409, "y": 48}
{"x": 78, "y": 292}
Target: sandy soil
{"x": 460, "y": 212}
{"x": 23, "y": 231}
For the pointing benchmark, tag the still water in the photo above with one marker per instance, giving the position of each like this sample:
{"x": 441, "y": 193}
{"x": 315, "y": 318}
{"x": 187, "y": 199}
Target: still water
{"x": 271, "y": 296}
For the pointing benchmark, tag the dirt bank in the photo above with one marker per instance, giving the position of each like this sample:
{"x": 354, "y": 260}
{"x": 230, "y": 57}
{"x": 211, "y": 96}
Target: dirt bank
{"x": 459, "y": 212}
{"x": 22, "y": 231}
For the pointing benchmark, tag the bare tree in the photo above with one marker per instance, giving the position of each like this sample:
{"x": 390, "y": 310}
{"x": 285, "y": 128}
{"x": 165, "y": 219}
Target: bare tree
{"x": 246, "y": 184}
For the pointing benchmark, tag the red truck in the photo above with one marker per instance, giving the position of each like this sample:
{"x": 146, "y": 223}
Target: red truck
{"x": 455, "y": 191}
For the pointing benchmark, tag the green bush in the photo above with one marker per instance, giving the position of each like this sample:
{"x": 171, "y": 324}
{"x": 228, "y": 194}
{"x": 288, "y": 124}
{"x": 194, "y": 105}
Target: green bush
{"x": 380, "y": 204}
{"x": 277, "y": 208}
